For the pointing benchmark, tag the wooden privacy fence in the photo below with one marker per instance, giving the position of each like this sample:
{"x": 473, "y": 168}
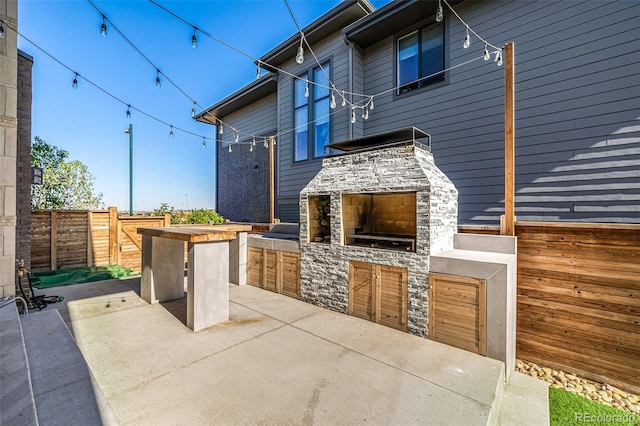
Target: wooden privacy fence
{"x": 71, "y": 239}
{"x": 579, "y": 298}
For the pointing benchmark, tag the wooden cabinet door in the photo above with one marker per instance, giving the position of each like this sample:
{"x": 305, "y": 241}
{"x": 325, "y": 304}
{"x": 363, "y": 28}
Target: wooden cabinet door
{"x": 290, "y": 274}
{"x": 378, "y": 293}
{"x": 457, "y": 312}
{"x": 391, "y": 309}
{"x": 361, "y": 292}
{"x": 254, "y": 267}
{"x": 270, "y": 270}
{"x": 274, "y": 270}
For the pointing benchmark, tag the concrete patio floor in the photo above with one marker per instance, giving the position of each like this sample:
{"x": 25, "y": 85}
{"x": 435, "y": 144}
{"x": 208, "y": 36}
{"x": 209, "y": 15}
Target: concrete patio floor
{"x": 277, "y": 361}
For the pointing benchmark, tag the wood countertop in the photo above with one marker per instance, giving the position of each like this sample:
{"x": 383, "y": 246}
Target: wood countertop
{"x": 196, "y": 234}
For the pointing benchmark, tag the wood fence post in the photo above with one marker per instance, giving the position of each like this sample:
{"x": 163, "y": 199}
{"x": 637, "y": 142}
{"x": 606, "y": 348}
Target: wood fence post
{"x": 167, "y": 219}
{"x": 53, "y": 246}
{"x": 508, "y": 228}
{"x": 272, "y": 184}
{"x": 89, "y": 238}
{"x": 113, "y": 235}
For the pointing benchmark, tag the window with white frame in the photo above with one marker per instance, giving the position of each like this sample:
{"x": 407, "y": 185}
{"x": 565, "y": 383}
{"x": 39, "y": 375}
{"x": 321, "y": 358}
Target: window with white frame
{"x": 420, "y": 58}
{"x": 312, "y": 113}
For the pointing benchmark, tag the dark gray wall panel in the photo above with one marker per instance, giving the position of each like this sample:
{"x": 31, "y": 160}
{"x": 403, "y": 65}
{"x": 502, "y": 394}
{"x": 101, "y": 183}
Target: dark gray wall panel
{"x": 243, "y": 175}
{"x": 577, "y": 110}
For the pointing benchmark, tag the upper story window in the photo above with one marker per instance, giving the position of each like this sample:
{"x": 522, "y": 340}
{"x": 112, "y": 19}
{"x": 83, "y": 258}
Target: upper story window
{"x": 420, "y": 55}
{"x": 312, "y": 113}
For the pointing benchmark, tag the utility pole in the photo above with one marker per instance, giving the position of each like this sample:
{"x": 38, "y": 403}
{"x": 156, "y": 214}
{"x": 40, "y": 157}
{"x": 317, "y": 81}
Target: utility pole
{"x": 130, "y": 132}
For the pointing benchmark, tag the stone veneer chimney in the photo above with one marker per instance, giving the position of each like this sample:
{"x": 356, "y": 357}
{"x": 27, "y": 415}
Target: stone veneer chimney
{"x": 325, "y": 266}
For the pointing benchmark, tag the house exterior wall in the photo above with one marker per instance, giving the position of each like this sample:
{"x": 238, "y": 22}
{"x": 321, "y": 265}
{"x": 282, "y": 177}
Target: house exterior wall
{"x": 23, "y": 171}
{"x": 293, "y": 176}
{"x": 243, "y": 175}
{"x": 577, "y": 109}
{"x": 8, "y": 146}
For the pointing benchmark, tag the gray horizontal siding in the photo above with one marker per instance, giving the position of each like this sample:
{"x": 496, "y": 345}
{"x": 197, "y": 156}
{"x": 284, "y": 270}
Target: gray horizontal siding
{"x": 577, "y": 110}
{"x": 243, "y": 175}
{"x": 293, "y": 176}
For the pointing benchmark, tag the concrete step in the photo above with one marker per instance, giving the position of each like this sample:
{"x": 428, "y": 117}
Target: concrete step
{"x": 17, "y": 405}
{"x": 63, "y": 386}
{"x": 525, "y": 401}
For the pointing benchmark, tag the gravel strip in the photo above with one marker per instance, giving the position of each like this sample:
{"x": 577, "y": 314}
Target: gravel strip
{"x": 601, "y": 392}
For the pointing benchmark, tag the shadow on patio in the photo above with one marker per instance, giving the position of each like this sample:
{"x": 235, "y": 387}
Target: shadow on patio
{"x": 276, "y": 361}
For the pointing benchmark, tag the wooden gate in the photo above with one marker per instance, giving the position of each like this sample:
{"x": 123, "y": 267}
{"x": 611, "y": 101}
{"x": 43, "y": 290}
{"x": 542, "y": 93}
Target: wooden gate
{"x": 274, "y": 270}
{"x": 378, "y": 293}
{"x": 457, "y": 312}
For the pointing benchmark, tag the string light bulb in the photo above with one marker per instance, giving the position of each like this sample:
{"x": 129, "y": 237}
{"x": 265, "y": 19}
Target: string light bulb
{"x": 366, "y": 114}
{"x": 204, "y": 142}
{"x": 171, "y": 133}
{"x": 439, "y": 13}
{"x": 371, "y": 103}
{"x": 253, "y": 142}
{"x": 158, "y": 82}
{"x": 353, "y": 115}
{"x": 220, "y": 128}
{"x": 486, "y": 55}
{"x": 306, "y": 89}
{"x": 332, "y": 102}
{"x": 467, "y": 40}
{"x": 300, "y": 54}
{"x": 266, "y": 145}
{"x": 236, "y": 136}
{"x": 75, "y": 82}
{"x": 230, "y": 150}
{"x": 194, "y": 38}
{"x": 103, "y": 27}
{"x": 498, "y": 58}
{"x": 258, "y": 72}
{"x": 193, "y": 109}
{"x": 251, "y": 148}
{"x": 1, "y": 30}
{"x": 128, "y": 111}
{"x": 344, "y": 100}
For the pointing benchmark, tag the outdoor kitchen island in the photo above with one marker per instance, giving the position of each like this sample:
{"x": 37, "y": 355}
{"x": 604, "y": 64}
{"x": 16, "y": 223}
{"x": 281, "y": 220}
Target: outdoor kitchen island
{"x": 208, "y": 269}
{"x": 369, "y": 221}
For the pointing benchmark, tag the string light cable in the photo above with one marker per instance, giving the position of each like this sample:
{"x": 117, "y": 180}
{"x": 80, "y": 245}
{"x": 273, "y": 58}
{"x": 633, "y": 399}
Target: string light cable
{"x": 497, "y": 50}
{"x": 365, "y": 103}
{"x": 129, "y": 106}
{"x": 194, "y": 42}
{"x": 145, "y": 57}
{"x": 257, "y": 60}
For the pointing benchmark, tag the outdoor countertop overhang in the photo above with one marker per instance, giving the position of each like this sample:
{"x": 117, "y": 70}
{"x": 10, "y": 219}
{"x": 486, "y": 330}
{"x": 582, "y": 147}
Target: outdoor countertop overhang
{"x": 196, "y": 233}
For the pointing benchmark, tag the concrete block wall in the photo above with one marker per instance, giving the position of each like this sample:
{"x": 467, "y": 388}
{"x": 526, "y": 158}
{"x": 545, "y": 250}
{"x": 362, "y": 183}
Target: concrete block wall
{"x": 8, "y": 145}
{"x": 23, "y": 167}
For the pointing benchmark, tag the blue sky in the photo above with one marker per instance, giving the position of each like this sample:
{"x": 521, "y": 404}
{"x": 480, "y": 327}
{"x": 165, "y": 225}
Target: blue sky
{"x": 90, "y": 124}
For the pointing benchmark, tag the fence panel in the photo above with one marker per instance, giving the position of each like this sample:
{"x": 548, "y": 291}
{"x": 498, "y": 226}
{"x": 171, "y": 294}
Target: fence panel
{"x": 70, "y": 239}
{"x": 579, "y": 298}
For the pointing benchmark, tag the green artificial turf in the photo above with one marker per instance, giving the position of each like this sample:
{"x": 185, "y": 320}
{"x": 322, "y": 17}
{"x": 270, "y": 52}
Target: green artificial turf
{"x": 566, "y": 408}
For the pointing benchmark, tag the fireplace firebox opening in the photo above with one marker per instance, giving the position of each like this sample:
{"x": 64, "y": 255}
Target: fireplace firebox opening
{"x": 380, "y": 220}
{"x": 319, "y": 218}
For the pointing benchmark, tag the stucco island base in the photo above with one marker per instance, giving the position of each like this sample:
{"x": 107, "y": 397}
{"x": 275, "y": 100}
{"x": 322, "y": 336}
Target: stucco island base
{"x": 207, "y": 272}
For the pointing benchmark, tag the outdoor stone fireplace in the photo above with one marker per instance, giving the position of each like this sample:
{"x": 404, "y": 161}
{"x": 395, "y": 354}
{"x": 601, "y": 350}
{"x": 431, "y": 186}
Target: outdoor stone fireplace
{"x": 369, "y": 221}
